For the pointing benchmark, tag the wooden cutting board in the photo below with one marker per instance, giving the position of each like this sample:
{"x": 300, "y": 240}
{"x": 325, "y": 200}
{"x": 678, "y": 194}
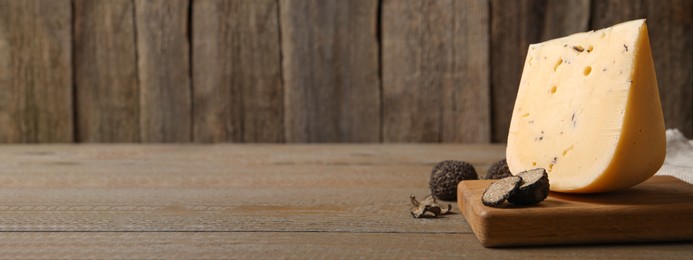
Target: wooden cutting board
{"x": 660, "y": 209}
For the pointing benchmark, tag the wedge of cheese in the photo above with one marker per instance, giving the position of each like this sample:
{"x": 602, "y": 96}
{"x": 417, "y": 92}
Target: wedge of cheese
{"x": 588, "y": 111}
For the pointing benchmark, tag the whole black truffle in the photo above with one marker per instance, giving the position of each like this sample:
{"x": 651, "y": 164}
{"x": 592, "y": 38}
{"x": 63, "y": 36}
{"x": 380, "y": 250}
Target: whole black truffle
{"x": 534, "y": 188}
{"x": 446, "y": 175}
{"x": 498, "y": 170}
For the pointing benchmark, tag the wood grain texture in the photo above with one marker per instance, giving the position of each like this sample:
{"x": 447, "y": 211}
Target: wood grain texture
{"x": 515, "y": 25}
{"x": 237, "y": 72}
{"x": 257, "y": 209}
{"x": 670, "y": 26}
{"x": 164, "y": 70}
{"x": 564, "y": 18}
{"x": 435, "y": 69}
{"x": 330, "y": 70}
{"x": 268, "y": 188}
{"x": 248, "y": 201}
{"x": 106, "y": 88}
{"x": 245, "y": 165}
{"x": 298, "y": 70}
{"x": 658, "y": 209}
{"x": 244, "y": 245}
{"x": 35, "y": 71}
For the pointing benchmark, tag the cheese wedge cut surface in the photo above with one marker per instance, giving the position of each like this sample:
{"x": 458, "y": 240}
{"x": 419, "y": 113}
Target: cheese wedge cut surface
{"x": 588, "y": 111}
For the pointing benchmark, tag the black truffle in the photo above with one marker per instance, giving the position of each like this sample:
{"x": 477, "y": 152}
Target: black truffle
{"x": 446, "y": 175}
{"x": 498, "y": 170}
{"x": 534, "y": 187}
{"x": 500, "y": 190}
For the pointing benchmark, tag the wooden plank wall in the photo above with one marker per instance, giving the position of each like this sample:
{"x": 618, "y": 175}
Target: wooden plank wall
{"x": 298, "y": 70}
{"x": 36, "y": 103}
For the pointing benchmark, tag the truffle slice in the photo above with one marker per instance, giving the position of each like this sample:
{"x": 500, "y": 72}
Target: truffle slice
{"x": 446, "y": 175}
{"x": 498, "y": 170}
{"x": 534, "y": 187}
{"x": 500, "y": 190}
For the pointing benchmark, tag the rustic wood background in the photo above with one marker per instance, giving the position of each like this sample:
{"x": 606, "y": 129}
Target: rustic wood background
{"x": 297, "y": 70}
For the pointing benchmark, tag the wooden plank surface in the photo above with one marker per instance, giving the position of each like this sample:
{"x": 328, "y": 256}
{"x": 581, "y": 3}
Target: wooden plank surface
{"x": 255, "y": 209}
{"x": 327, "y": 188}
{"x": 330, "y": 70}
{"x": 197, "y": 201}
{"x": 164, "y": 70}
{"x": 657, "y": 210}
{"x": 670, "y": 26}
{"x": 35, "y": 71}
{"x": 515, "y": 25}
{"x": 435, "y": 67}
{"x": 237, "y": 71}
{"x": 300, "y": 245}
{"x": 106, "y": 88}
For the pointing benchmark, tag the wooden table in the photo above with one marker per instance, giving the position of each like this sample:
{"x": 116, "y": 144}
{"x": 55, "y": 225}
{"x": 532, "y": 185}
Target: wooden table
{"x": 245, "y": 201}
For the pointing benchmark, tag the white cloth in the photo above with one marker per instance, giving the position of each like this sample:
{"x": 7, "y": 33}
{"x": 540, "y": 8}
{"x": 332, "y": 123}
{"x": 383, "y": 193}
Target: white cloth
{"x": 679, "y": 160}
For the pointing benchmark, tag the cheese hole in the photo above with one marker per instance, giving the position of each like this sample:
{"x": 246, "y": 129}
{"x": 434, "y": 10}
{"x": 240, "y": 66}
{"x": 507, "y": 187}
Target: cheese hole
{"x": 588, "y": 70}
{"x": 534, "y": 163}
{"x": 590, "y": 48}
{"x": 565, "y": 152}
{"x": 553, "y": 89}
{"x": 558, "y": 63}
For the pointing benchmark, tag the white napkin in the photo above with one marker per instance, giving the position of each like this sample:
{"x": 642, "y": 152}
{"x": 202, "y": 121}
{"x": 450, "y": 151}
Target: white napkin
{"x": 679, "y": 160}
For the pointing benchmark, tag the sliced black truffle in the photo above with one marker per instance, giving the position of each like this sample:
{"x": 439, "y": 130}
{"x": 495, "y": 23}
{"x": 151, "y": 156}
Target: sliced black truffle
{"x": 500, "y": 190}
{"x": 534, "y": 187}
{"x": 446, "y": 175}
{"x": 498, "y": 170}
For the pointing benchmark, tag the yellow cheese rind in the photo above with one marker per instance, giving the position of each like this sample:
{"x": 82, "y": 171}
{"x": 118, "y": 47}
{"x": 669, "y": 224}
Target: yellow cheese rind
{"x": 588, "y": 111}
